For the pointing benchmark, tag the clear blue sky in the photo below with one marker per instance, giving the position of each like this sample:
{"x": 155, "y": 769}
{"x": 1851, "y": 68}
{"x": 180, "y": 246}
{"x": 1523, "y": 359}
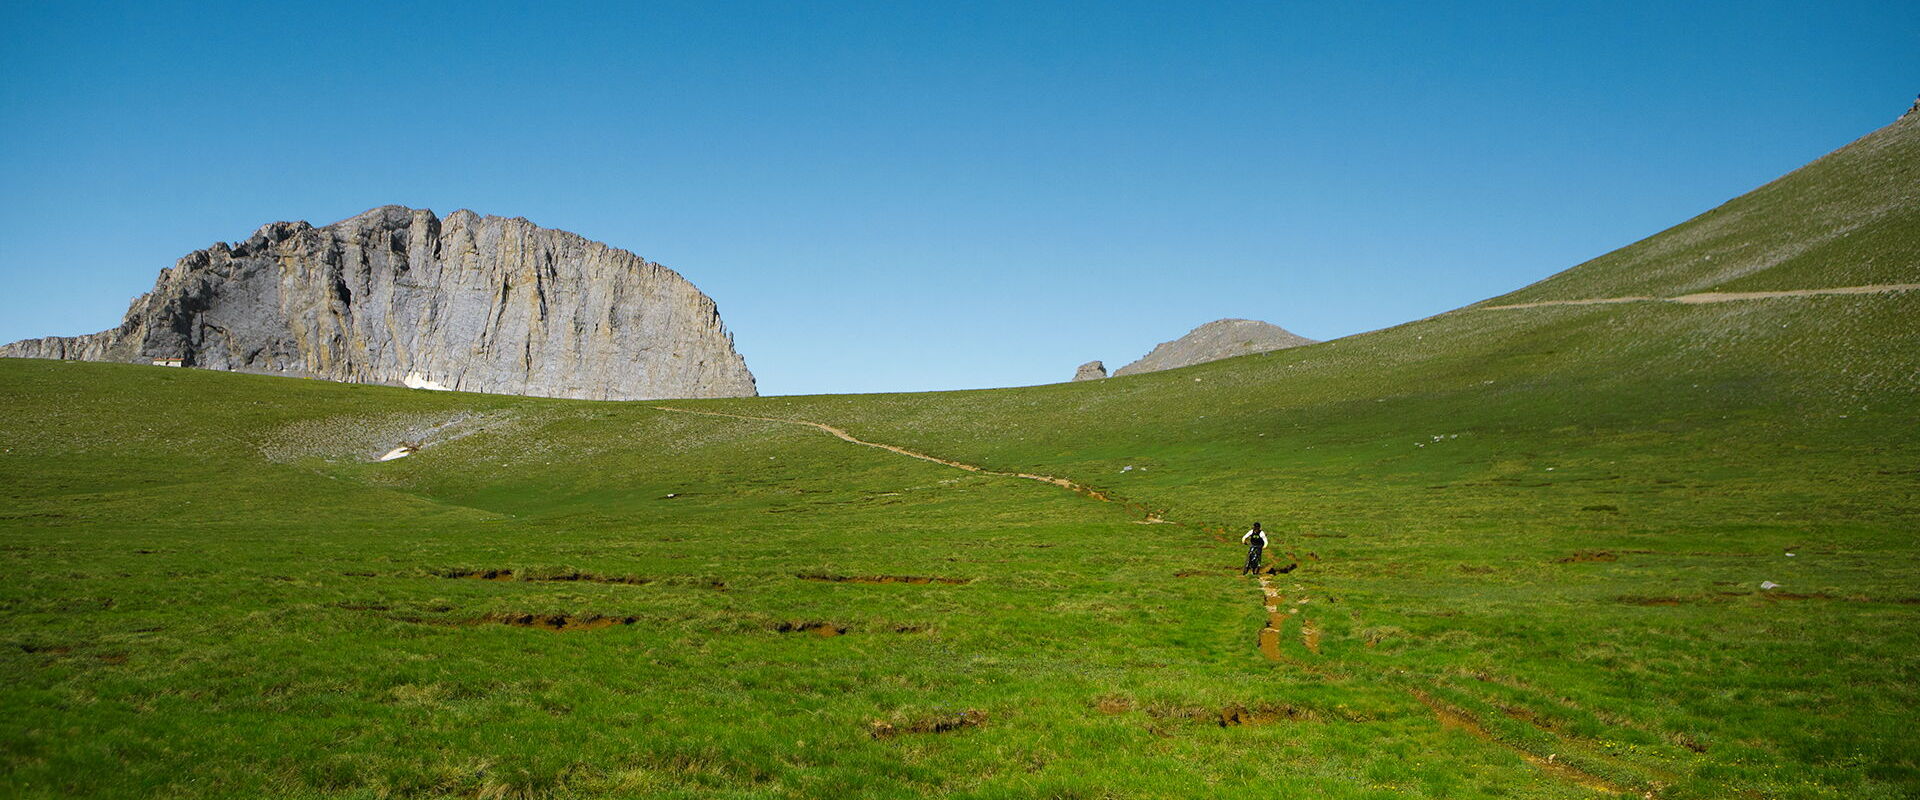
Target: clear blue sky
{"x": 905, "y": 196}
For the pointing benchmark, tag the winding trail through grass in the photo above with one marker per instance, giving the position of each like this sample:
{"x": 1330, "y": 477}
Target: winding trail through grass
{"x": 845, "y": 436}
{"x": 1273, "y": 602}
{"x": 1712, "y": 297}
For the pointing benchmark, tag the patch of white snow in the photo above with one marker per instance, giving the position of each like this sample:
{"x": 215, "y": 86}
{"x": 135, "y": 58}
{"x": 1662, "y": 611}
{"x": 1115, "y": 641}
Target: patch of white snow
{"x": 415, "y": 380}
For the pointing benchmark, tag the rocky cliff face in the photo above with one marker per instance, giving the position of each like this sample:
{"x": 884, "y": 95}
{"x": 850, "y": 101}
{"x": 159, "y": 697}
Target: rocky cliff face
{"x": 1222, "y": 338}
{"x": 399, "y": 296}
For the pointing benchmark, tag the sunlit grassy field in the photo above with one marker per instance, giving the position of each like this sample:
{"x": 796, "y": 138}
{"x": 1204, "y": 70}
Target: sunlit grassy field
{"x": 1569, "y": 551}
{"x": 202, "y": 620}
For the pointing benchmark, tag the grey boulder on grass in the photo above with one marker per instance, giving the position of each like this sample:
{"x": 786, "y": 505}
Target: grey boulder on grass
{"x": 1090, "y": 371}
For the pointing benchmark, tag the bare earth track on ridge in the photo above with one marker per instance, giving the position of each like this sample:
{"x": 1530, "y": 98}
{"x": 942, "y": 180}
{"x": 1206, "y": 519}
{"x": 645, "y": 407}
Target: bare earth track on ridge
{"x": 1272, "y": 602}
{"x": 1709, "y": 297}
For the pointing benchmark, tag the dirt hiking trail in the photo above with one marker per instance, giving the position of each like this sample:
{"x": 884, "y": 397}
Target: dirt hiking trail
{"x": 1710, "y": 297}
{"x": 1275, "y": 604}
{"x": 1063, "y": 483}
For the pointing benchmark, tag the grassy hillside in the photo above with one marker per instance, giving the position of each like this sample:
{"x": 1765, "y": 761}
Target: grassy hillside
{"x": 1527, "y": 545}
{"x": 1851, "y": 218}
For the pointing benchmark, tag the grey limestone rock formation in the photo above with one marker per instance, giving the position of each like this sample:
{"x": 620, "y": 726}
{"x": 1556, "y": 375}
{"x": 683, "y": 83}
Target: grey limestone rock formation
{"x": 1090, "y": 371}
{"x": 1221, "y": 338}
{"x": 399, "y": 296}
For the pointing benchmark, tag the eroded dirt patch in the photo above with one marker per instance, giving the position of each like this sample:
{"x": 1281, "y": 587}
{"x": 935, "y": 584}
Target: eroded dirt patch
{"x": 1456, "y": 719}
{"x": 1587, "y": 556}
{"x": 559, "y": 623}
{"x": 945, "y": 722}
{"x": 880, "y": 579}
{"x": 821, "y": 629}
{"x": 480, "y": 574}
{"x": 1236, "y": 714}
{"x": 628, "y": 580}
{"x": 509, "y": 575}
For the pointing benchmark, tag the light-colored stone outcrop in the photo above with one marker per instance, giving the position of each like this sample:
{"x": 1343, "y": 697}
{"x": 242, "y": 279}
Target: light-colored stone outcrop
{"x": 1222, "y": 338}
{"x": 400, "y": 296}
{"x": 1090, "y": 371}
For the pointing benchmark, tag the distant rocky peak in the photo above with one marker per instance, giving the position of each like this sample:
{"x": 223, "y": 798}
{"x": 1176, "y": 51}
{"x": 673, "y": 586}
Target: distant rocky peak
{"x": 1221, "y": 338}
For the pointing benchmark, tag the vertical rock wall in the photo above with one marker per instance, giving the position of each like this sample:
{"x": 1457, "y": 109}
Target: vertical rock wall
{"x": 393, "y": 295}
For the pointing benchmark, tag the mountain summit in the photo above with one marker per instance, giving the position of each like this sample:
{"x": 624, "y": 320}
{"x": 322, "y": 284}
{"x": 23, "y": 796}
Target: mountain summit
{"x": 397, "y": 295}
{"x": 1221, "y": 338}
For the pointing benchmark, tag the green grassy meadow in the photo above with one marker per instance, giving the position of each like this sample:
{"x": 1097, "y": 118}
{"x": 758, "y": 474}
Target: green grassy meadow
{"x": 1527, "y": 547}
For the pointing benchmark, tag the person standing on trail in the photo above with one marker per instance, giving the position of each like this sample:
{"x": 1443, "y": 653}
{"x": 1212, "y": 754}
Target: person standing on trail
{"x": 1256, "y": 540}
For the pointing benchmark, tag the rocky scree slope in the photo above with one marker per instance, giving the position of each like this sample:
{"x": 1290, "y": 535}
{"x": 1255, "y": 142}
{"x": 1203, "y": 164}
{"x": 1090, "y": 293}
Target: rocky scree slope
{"x": 397, "y": 295}
{"x": 1221, "y": 338}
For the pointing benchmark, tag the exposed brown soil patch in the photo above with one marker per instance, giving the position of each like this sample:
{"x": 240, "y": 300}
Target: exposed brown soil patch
{"x": 1234, "y": 715}
{"x": 480, "y": 574}
{"x": 1266, "y": 714}
{"x": 821, "y": 629}
{"x": 1456, "y": 719}
{"x": 628, "y": 580}
{"x": 559, "y": 623}
{"x": 1585, "y": 556}
{"x": 1113, "y": 705}
{"x": 1276, "y": 621}
{"x": 113, "y": 658}
{"x": 1310, "y": 636}
{"x": 508, "y": 575}
{"x": 934, "y": 723}
{"x": 1270, "y": 643}
{"x": 53, "y": 649}
{"x": 881, "y": 579}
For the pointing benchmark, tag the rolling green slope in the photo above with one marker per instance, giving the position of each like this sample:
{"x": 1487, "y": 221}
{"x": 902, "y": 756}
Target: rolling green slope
{"x": 1526, "y": 548}
{"x": 1851, "y": 218}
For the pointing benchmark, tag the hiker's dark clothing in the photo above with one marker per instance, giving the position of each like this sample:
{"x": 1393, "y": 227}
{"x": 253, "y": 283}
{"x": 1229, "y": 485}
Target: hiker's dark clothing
{"x": 1256, "y": 542}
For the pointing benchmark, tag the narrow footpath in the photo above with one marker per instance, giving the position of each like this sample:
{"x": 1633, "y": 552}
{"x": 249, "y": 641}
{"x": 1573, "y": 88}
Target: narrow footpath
{"x": 1274, "y": 603}
{"x": 1710, "y": 297}
{"x": 1149, "y": 517}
